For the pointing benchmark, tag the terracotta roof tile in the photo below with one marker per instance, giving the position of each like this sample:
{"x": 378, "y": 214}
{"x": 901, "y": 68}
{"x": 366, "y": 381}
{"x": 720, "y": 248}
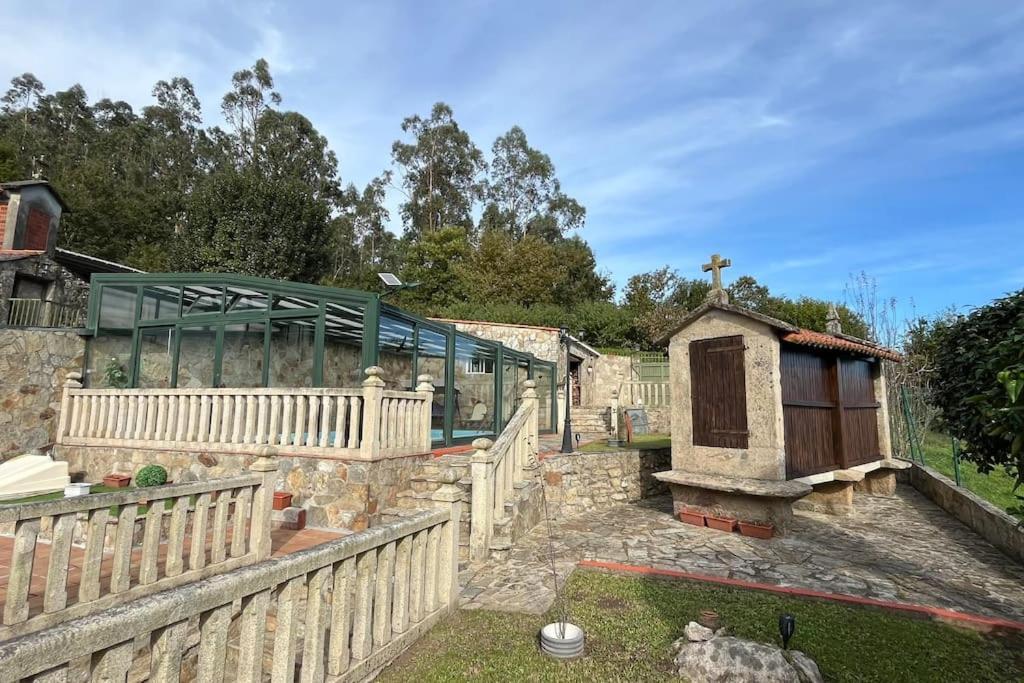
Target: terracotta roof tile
{"x": 829, "y": 341}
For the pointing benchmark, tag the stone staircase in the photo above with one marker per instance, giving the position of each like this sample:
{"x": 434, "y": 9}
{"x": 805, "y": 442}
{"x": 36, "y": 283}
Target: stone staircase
{"x": 522, "y": 511}
{"x": 592, "y": 423}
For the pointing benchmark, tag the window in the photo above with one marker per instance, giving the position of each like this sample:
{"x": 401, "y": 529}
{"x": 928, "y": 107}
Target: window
{"x": 718, "y": 392}
{"x": 479, "y": 366}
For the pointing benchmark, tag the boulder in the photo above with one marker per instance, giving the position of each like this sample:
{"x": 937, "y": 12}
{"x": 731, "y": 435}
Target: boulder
{"x": 696, "y": 633}
{"x": 725, "y": 659}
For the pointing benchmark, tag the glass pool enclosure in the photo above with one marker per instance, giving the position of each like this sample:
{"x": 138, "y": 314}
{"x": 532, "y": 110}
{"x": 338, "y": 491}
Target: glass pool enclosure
{"x": 221, "y": 330}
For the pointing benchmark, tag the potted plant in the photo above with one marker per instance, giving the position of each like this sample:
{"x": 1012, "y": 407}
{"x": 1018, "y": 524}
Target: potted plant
{"x": 762, "y": 530}
{"x": 691, "y": 516}
{"x": 116, "y": 481}
{"x": 720, "y": 521}
{"x": 282, "y": 500}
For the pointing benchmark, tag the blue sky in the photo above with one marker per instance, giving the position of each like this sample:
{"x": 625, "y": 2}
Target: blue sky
{"x": 806, "y": 141}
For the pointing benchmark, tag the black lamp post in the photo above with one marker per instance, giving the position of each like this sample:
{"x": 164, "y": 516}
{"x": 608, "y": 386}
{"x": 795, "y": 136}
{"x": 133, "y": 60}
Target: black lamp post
{"x": 787, "y": 627}
{"x": 563, "y": 336}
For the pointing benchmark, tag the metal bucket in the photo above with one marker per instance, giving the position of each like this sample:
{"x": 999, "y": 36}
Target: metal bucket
{"x": 562, "y": 640}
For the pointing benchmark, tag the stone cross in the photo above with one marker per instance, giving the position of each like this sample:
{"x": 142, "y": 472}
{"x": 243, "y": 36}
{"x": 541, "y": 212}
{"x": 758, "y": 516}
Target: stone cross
{"x": 716, "y": 265}
{"x": 833, "y": 325}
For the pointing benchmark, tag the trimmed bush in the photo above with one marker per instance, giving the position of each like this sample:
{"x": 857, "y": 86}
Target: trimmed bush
{"x": 151, "y": 475}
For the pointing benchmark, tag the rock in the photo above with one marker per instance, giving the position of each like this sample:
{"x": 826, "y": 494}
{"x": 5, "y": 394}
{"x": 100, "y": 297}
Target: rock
{"x": 696, "y": 633}
{"x": 733, "y": 660}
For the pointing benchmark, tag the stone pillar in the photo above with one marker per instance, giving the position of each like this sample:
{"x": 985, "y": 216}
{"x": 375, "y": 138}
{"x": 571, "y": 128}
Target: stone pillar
{"x": 882, "y": 414}
{"x": 425, "y": 387}
{"x": 373, "y": 398}
{"x": 530, "y": 399}
{"x": 482, "y": 501}
{"x": 263, "y": 501}
{"x": 615, "y": 441}
{"x": 560, "y": 423}
{"x": 449, "y": 496}
{"x": 72, "y": 381}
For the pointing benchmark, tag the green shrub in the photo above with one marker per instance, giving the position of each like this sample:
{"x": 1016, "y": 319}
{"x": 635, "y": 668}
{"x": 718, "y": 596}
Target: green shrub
{"x": 151, "y": 475}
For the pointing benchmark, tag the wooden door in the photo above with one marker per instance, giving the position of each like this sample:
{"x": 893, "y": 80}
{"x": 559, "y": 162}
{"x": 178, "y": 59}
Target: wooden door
{"x": 809, "y": 413}
{"x": 718, "y": 392}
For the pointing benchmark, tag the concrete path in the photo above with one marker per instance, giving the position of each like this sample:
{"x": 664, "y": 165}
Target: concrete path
{"x": 902, "y": 549}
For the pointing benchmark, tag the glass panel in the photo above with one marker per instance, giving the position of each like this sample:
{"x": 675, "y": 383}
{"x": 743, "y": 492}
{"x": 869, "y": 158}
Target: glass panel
{"x": 396, "y": 352}
{"x": 198, "y": 300}
{"x": 117, "y": 307}
{"x": 343, "y": 346}
{"x": 474, "y": 388}
{"x": 431, "y": 361}
{"x": 195, "y": 357}
{"x": 291, "y": 352}
{"x": 110, "y": 355}
{"x": 291, "y": 303}
{"x": 159, "y": 302}
{"x": 522, "y": 374}
{"x": 242, "y": 359}
{"x": 239, "y": 300}
{"x": 508, "y": 390}
{"x": 156, "y": 353}
{"x": 545, "y": 394}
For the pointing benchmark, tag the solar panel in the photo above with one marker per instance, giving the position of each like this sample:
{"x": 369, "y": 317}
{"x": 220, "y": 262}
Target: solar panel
{"x": 390, "y": 279}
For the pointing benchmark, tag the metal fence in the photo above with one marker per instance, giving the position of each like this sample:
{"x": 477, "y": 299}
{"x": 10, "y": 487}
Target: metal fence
{"x": 42, "y": 313}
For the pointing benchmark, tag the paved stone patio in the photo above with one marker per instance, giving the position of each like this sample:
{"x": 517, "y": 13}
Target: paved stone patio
{"x": 902, "y": 549}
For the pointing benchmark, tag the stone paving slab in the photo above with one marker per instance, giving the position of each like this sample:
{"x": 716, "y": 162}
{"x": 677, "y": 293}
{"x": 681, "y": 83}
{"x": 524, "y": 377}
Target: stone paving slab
{"x": 902, "y": 549}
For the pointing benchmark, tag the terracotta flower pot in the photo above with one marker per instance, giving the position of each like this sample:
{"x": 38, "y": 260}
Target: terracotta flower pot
{"x": 709, "y": 619}
{"x": 282, "y": 500}
{"x": 721, "y": 523}
{"x": 763, "y": 531}
{"x": 117, "y": 481}
{"x": 691, "y": 517}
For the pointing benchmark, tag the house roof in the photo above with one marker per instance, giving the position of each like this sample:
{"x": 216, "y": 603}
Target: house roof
{"x": 17, "y": 254}
{"x": 18, "y": 184}
{"x": 840, "y": 343}
{"x": 790, "y": 333}
{"x": 76, "y": 261}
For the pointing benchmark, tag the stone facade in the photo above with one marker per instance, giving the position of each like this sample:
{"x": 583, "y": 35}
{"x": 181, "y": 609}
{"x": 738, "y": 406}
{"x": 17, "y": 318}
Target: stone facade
{"x": 33, "y": 366}
{"x": 336, "y": 493}
{"x": 609, "y": 373}
{"x": 583, "y": 482}
{"x": 764, "y": 458}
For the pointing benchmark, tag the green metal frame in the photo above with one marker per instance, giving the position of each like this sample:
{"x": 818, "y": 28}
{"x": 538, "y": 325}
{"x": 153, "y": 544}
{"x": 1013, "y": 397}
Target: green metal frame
{"x": 319, "y": 299}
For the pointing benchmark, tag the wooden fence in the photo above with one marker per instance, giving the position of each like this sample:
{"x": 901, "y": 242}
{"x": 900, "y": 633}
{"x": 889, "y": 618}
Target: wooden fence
{"x": 652, "y": 394}
{"x": 497, "y": 466}
{"x": 220, "y": 524}
{"x": 367, "y": 423}
{"x": 344, "y": 609}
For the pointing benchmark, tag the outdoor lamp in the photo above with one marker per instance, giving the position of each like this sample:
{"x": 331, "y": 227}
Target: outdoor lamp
{"x": 787, "y": 627}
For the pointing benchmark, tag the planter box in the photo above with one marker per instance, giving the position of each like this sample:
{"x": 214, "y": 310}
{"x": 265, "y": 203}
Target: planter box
{"x": 75, "y": 490}
{"x": 762, "y": 531}
{"x": 282, "y": 500}
{"x": 117, "y": 481}
{"x": 694, "y": 518}
{"x": 721, "y": 523}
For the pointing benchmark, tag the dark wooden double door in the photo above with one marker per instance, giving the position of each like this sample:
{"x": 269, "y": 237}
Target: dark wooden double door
{"x": 830, "y": 411}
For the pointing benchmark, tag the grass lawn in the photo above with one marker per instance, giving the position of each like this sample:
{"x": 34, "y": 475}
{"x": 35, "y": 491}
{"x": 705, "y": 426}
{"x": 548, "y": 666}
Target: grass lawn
{"x": 640, "y": 441}
{"x": 995, "y": 487}
{"x": 631, "y": 622}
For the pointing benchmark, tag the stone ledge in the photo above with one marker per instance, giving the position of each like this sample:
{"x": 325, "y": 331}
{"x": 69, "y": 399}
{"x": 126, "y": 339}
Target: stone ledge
{"x": 761, "y": 488}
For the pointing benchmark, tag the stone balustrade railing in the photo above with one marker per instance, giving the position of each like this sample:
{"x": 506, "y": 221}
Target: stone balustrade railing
{"x": 649, "y": 394}
{"x": 348, "y": 606}
{"x": 188, "y": 532}
{"x": 366, "y": 423}
{"x": 497, "y": 466}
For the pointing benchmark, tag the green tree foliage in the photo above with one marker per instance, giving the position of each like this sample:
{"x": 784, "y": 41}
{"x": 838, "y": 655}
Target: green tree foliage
{"x": 978, "y": 382}
{"x": 436, "y": 261}
{"x": 242, "y": 221}
{"x": 523, "y": 195}
{"x": 441, "y": 172}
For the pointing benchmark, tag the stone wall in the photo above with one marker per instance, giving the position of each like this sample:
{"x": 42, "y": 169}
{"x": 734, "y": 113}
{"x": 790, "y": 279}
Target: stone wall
{"x": 995, "y": 526}
{"x": 764, "y": 457}
{"x": 336, "y": 493}
{"x": 581, "y": 482}
{"x": 609, "y": 372}
{"x": 33, "y": 365}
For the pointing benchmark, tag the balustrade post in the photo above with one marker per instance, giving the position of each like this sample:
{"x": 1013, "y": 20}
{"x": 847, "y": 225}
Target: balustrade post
{"x": 72, "y": 381}
{"x": 263, "y": 501}
{"x": 449, "y": 496}
{"x": 533, "y": 422}
{"x": 615, "y": 416}
{"x": 373, "y": 399}
{"x": 425, "y": 388}
{"x": 482, "y": 499}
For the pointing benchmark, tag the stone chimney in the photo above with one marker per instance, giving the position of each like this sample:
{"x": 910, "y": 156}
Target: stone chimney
{"x": 832, "y": 322}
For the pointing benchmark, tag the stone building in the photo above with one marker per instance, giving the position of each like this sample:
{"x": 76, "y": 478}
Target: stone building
{"x": 765, "y": 413}
{"x": 41, "y": 285}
